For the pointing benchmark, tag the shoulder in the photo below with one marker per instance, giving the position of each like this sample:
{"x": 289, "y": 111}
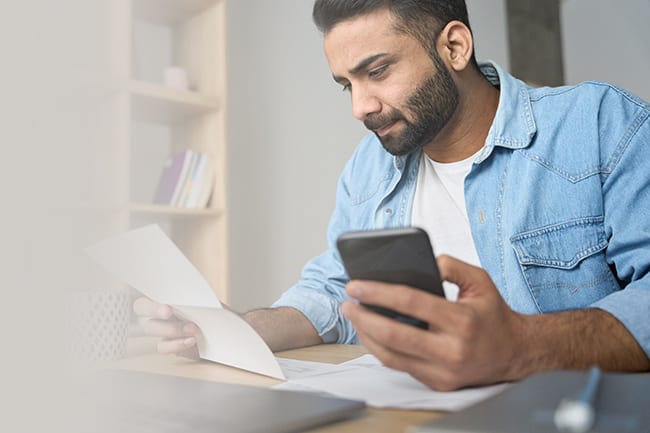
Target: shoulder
{"x": 369, "y": 157}
{"x": 589, "y": 97}
{"x": 583, "y": 129}
{"x": 597, "y": 111}
{"x": 369, "y": 171}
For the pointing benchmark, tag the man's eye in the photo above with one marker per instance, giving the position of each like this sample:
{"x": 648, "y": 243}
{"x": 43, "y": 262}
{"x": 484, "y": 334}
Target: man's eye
{"x": 375, "y": 73}
{"x": 346, "y": 87}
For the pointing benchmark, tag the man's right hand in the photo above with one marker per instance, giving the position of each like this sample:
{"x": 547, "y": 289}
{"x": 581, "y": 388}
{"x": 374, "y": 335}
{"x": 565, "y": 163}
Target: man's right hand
{"x": 158, "y": 320}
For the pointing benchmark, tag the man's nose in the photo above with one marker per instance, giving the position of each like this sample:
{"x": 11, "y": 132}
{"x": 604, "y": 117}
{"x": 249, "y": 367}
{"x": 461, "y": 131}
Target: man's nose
{"x": 364, "y": 103}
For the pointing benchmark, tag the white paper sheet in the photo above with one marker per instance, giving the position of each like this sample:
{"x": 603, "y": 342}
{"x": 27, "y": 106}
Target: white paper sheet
{"x": 150, "y": 262}
{"x": 364, "y": 378}
{"x": 147, "y": 260}
{"x": 295, "y": 369}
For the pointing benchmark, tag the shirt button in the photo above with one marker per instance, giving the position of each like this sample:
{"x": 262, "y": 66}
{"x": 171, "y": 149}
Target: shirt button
{"x": 388, "y": 211}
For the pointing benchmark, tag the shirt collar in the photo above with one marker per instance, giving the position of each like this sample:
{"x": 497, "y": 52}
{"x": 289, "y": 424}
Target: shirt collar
{"x": 514, "y": 124}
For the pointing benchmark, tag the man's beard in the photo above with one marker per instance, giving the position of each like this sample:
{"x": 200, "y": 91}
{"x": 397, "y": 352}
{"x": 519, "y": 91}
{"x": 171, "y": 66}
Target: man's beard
{"x": 432, "y": 105}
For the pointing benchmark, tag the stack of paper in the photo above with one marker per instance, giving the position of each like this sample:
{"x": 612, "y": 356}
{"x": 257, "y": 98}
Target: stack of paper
{"x": 365, "y": 378}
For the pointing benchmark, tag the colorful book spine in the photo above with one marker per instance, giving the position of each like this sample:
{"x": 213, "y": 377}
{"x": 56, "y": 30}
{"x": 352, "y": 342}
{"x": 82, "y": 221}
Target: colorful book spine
{"x": 207, "y": 183}
{"x": 170, "y": 178}
{"x": 187, "y": 180}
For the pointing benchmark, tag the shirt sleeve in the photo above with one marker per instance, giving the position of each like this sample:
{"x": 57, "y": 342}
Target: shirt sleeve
{"x": 626, "y": 195}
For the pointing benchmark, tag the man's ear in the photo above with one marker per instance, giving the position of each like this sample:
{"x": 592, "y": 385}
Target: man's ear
{"x": 455, "y": 45}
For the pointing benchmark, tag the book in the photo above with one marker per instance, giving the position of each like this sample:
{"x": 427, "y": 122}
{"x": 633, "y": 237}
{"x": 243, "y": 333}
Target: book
{"x": 194, "y": 189}
{"x": 621, "y": 406}
{"x": 182, "y": 178}
{"x": 170, "y": 178}
{"x": 206, "y": 184}
{"x": 187, "y": 182}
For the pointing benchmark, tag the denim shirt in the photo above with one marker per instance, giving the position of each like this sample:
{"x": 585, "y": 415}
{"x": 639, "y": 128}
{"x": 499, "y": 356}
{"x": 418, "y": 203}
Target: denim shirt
{"x": 558, "y": 202}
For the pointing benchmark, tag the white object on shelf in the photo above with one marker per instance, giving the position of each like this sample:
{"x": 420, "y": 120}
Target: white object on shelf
{"x": 176, "y": 78}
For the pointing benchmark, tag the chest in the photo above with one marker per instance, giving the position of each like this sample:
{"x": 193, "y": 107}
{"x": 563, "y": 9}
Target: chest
{"x": 539, "y": 232}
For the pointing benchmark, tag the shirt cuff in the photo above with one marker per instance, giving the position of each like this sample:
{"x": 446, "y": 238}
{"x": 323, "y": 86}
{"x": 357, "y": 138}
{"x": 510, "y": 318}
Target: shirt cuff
{"x": 631, "y": 306}
{"x": 322, "y": 311}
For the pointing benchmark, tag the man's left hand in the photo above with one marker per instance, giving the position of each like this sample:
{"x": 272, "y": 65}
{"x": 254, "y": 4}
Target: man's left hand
{"x": 473, "y": 341}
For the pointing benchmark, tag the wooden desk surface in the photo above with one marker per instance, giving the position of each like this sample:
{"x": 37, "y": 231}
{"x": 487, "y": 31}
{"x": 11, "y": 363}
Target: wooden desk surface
{"x": 142, "y": 356}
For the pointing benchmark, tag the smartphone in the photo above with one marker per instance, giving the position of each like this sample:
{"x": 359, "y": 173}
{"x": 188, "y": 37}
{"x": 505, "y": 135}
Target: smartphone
{"x": 398, "y": 256}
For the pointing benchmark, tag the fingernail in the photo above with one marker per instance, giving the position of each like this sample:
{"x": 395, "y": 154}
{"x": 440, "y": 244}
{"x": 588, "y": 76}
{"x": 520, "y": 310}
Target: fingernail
{"x": 163, "y": 311}
{"x": 189, "y": 341}
{"x": 189, "y": 328}
{"x": 354, "y": 290}
{"x": 345, "y": 309}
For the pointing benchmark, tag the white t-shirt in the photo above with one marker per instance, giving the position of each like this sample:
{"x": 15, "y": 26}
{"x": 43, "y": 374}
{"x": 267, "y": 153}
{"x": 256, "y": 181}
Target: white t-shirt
{"x": 439, "y": 209}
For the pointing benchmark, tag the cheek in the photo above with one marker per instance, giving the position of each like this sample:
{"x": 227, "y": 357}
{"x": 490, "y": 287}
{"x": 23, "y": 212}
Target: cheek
{"x": 403, "y": 89}
{"x": 397, "y": 96}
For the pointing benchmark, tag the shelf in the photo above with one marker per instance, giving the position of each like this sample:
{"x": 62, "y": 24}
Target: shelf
{"x": 161, "y": 210}
{"x": 169, "y": 12}
{"x": 157, "y": 103}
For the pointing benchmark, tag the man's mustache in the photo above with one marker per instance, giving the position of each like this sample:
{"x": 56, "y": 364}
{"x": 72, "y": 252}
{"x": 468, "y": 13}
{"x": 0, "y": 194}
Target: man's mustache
{"x": 376, "y": 121}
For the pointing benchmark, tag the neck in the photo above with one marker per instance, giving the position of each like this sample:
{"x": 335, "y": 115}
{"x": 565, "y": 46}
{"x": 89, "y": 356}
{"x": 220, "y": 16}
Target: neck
{"x": 467, "y": 130}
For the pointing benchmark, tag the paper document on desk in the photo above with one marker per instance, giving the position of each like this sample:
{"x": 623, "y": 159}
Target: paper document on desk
{"x": 365, "y": 378}
{"x": 149, "y": 261}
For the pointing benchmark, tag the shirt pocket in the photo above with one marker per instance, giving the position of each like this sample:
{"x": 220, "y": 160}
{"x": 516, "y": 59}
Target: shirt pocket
{"x": 564, "y": 264}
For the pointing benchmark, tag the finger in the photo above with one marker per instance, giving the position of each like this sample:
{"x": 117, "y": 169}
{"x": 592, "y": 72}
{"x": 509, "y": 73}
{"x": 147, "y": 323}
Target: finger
{"x": 435, "y": 310}
{"x": 191, "y": 353}
{"x": 146, "y": 307}
{"x": 169, "y": 328}
{"x": 430, "y": 373}
{"x": 399, "y": 337}
{"x": 180, "y": 346}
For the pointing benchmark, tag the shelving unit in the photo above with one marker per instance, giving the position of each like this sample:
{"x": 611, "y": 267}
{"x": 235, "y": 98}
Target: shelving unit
{"x": 159, "y": 120}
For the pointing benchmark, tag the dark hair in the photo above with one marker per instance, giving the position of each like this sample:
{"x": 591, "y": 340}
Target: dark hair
{"x": 422, "y": 19}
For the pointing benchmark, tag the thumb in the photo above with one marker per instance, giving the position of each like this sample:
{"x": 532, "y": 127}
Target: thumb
{"x": 471, "y": 280}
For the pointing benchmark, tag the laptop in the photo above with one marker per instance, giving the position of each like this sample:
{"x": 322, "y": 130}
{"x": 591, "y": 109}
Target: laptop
{"x": 129, "y": 402}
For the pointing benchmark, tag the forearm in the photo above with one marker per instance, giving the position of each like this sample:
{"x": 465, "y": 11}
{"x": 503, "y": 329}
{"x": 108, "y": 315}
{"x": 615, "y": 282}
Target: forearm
{"x": 283, "y": 328}
{"x": 578, "y": 340}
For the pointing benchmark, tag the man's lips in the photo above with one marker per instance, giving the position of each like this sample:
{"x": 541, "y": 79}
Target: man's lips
{"x": 385, "y": 129}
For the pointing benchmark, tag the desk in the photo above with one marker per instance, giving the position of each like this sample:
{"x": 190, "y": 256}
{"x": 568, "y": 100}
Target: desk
{"x": 143, "y": 357}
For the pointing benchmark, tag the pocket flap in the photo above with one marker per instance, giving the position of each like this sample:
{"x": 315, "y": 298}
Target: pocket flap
{"x": 561, "y": 245}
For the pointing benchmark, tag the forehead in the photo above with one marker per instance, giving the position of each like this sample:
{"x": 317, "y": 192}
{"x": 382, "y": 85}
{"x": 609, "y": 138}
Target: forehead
{"x": 352, "y": 40}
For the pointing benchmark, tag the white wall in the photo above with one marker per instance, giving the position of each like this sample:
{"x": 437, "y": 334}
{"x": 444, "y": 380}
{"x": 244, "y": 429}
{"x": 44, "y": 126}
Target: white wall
{"x": 607, "y": 40}
{"x": 56, "y": 182}
{"x": 291, "y": 131}
{"x": 490, "y": 29}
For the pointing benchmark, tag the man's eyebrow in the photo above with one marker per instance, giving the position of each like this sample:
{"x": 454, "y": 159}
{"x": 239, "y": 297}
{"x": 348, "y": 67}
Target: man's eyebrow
{"x": 363, "y": 64}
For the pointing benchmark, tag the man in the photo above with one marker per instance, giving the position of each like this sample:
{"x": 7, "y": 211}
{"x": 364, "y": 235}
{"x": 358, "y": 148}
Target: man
{"x": 536, "y": 199}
